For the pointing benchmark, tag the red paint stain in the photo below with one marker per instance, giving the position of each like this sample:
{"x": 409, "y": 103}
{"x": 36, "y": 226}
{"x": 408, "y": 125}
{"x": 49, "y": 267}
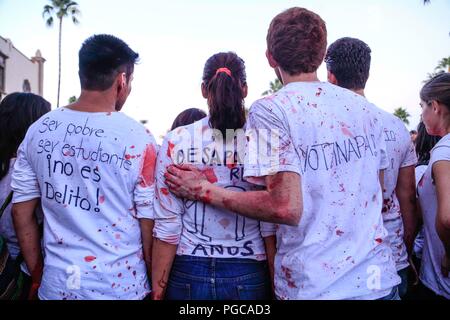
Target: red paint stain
{"x": 210, "y": 175}
{"x": 231, "y": 165}
{"x": 346, "y": 132}
{"x": 224, "y": 223}
{"x": 120, "y": 275}
{"x": 132, "y": 147}
{"x": 170, "y": 149}
{"x": 89, "y": 258}
{"x": 339, "y": 232}
{"x": 148, "y": 167}
{"x": 379, "y": 240}
{"x": 101, "y": 199}
{"x": 117, "y": 236}
{"x": 207, "y": 197}
{"x": 319, "y": 92}
{"x": 165, "y": 191}
{"x": 127, "y": 157}
{"x": 422, "y": 180}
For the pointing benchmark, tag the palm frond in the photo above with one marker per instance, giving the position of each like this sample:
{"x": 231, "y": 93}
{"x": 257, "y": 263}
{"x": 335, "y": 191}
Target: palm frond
{"x": 49, "y": 22}
{"x": 48, "y": 10}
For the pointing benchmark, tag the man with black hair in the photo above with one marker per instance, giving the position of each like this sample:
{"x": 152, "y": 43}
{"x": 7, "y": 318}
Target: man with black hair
{"x": 348, "y": 64}
{"x": 92, "y": 169}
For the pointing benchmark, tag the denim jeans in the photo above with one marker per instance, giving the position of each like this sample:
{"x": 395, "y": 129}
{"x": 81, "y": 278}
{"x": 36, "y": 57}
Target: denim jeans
{"x": 199, "y": 278}
{"x": 393, "y": 295}
{"x": 403, "y": 286}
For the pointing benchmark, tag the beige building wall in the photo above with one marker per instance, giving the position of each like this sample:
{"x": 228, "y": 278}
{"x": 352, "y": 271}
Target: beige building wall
{"x": 19, "y": 70}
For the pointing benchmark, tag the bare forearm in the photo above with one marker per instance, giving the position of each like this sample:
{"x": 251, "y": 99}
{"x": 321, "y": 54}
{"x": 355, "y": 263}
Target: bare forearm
{"x": 252, "y": 204}
{"x": 161, "y": 267}
{"x": 147, "y": 241}
{"x": 27, "y": 231}
{"x": 408, "y": 208}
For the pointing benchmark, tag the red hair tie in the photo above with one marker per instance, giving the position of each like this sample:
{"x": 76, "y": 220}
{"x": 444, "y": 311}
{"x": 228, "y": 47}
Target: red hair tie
{"x": 226, "y": 70}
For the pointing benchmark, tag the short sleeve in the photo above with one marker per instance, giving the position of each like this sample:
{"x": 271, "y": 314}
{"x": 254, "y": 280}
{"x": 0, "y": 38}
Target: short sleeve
{"x": 24, "y": 181}
{"x": 267, "y": 229}
{"x": 269, "y": 147}
{"x": 167, "y": 207}
{"x": 441, "y": 152}
{"x": 144, "y": 191}
{"x": 410, "y": 158}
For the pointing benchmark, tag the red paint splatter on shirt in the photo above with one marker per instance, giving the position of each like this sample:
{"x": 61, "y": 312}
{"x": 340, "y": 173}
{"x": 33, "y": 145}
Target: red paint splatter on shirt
{"x": 170, "y": 149}
{"x": 379, "y": 240}
{"x": 422, "y": 180}
{"x": 101, "y": 199}
{"x": 339, "y": 232}
{"x": 346, "y": 132}
{"x": 319, "y": 92}
{"x": 165, "y": 191}
{"x": 224, "y": 223}
{"x": 89, "y": 258}
{"x": 147, "y": 173}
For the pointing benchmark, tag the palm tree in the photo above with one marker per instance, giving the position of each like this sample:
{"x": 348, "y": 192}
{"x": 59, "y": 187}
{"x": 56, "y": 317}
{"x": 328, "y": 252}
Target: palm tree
{"x": 442, "y": 67}
{"x": 402, "y": 114}
{"x": 274, "y": 87}
{"x": 444, "y": 64}
{"x": 62, "y": 9}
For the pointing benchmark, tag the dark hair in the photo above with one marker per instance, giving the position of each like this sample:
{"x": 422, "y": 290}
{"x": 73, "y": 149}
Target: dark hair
{"x": 224, "y": 92}
{"x": 17, "y": 112}
{"x": 349, "y": 60}
{"x": 188, "y": 116}
{"x": 424, "y": 144}
{"x": 413, "y": 131}
{"x": 438, "y": 88}
{"x": 297, "y": 40}
{"x": 101, "y": 58}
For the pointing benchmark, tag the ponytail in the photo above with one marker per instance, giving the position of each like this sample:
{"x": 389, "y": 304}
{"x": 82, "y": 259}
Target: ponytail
{"x": 224, "y": 80}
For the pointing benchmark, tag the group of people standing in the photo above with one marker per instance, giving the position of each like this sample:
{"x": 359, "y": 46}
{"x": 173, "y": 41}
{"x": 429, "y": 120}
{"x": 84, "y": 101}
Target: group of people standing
{"x": 315, "y": 194}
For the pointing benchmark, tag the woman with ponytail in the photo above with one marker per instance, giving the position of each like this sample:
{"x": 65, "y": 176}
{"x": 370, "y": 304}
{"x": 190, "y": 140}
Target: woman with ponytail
{"x": 203, "y": 252}
{"x": 434, "y": 191}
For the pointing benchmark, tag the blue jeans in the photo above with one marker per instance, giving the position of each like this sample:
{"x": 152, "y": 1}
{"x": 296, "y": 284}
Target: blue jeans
{"x": 403, "y": 286}
{"x": 393, "y": 295}
{"x": 199, "y": 278}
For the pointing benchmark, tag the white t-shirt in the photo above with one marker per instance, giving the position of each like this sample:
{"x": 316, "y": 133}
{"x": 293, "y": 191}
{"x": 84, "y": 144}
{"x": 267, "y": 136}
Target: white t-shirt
{"x": 334, "y": 140}
{"x": 418, "y": 242}
{"x": 94, "y": 175}
{"x": 401, "y": 154}
{"x": 198, "y": 228}
{"x": 433, "y": 248}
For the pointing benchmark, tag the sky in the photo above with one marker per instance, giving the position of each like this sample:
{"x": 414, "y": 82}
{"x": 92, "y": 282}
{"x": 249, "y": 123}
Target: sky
{"x": 175, "y": 38}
